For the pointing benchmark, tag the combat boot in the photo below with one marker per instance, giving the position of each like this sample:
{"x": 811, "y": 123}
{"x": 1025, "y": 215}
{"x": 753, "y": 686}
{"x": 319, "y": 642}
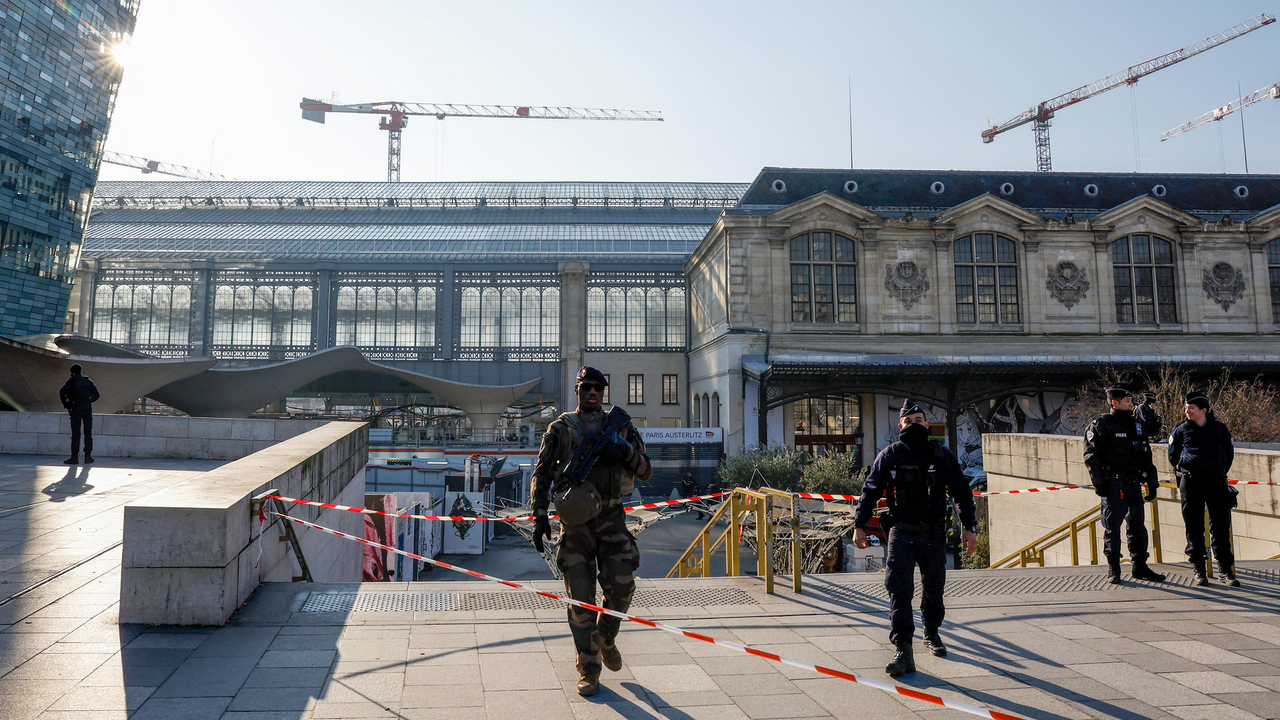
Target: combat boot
{"x": 933, "y": 643}
{"x": 589, "y": 683}
{"x": 1229, "y": 576}
{"x": 1199, "y": 579}
{"x": 73, "y": 460}
{"x": 903, "y": 661}
{"x": 609, "y": 654}
{"x": 88, "y": 458}
{"x": 1142, "y": 572}
{"x": 1113, "y": 572}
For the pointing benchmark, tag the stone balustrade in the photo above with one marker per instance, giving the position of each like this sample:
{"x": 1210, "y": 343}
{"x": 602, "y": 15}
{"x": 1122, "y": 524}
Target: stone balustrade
{"x": 1015, "y": 461}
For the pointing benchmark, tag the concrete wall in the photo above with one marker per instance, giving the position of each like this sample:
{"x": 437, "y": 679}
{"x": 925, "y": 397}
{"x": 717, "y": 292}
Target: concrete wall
{"x": 191, "y": 551}
{"x": 1024, "y": 461}
{"x": 30, "y": 433}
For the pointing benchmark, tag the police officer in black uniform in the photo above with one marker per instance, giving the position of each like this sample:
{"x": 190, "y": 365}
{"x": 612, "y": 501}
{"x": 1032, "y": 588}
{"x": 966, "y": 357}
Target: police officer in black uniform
{"x": 1201, "y": 454}
{"x": 1146, "y": 414}
{"x": 915, "y": 475}
{"x": 78, "y": 394}
{"x": 1119, "y": 461}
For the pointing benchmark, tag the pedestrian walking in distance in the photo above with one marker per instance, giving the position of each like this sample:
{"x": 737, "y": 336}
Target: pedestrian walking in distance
{"x": 688, "y": 489}
{"x": 594, "y": 541}
{"x": 1201, "y": 454}
{"x": 915, "y": 475}
{"x": 1118, "y": 456}
{"x": 78, "y": 394}
{"x": 1146, "y": 414}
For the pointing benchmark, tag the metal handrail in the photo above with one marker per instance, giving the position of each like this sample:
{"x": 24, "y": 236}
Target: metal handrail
{"x": 741, "y": 501}
{"x": 1034, "y": 551}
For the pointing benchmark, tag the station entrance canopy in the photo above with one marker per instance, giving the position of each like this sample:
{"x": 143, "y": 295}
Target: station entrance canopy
{"x": 954, "y": 382}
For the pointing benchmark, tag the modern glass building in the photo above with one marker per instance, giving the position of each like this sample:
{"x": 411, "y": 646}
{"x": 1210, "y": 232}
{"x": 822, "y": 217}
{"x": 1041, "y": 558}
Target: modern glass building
{"x": 58, "y": 84}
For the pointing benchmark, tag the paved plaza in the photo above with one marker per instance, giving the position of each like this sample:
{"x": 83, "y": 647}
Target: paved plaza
{"x": 1035, "y": 643}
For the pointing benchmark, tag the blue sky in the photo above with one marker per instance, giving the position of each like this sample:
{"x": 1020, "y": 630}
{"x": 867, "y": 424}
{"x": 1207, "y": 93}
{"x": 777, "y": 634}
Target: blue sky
{"x": 742, "y": 85}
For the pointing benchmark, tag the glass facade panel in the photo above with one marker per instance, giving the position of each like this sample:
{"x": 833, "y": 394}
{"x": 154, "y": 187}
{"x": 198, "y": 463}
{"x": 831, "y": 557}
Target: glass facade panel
{"x": 636, "y": 311}
{"x": 58, "y": 84}
{"x": 986, "y": 268}
{"x": 1146, "y": 291}
{"x": 827, "y": 424}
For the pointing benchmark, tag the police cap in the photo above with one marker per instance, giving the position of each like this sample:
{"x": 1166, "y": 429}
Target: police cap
{"x": 1198, "y": 399}
{"x": 909, "y": 407}
{"x": 590, "y": 374}
{"x": 1118, "y": 393}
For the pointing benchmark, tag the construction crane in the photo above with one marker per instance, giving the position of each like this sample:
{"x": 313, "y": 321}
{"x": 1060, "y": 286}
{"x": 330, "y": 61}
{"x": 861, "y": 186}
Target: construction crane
{"x": 397, "y": 116}
{"x": 1271, "y": 91}
{"x": 155, "y": 166}
{"x": 1041, "y": 113}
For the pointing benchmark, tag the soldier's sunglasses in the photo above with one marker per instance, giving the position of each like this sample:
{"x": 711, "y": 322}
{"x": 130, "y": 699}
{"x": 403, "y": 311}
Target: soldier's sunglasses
{"x": 589, "y": 386}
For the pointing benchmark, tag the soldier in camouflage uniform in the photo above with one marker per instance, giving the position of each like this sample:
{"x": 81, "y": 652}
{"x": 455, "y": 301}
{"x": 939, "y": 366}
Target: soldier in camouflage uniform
{"x": 601, "y": 548}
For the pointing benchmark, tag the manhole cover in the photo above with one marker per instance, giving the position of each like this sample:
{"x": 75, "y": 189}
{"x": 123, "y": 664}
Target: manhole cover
{"x": 514, "y": 600}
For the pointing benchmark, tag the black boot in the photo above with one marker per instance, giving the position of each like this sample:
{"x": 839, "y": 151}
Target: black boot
{"x": 1113, "y": 572}
{"x": 933, "y": 643}
{"x": 1229, "y": 576}
{"x": 87, "y": 458}
{"x": 903, "y": 661}
{"x": 73, "y": 460}
{"x": 1142, "y": 572}
{"x": 1199, "y": 578}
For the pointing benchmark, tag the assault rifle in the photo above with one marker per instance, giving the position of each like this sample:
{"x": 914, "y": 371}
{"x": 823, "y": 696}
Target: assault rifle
{"x": 589, "y": 449}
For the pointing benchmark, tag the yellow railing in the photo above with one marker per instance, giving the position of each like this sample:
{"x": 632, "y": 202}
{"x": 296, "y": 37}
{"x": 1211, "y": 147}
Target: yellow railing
{"x": 1070, "y": 531}
{"x": 696, "y": 559}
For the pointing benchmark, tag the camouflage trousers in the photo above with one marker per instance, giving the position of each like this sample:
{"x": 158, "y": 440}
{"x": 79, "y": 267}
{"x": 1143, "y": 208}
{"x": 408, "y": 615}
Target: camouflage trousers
{"x": 601, "y": 549}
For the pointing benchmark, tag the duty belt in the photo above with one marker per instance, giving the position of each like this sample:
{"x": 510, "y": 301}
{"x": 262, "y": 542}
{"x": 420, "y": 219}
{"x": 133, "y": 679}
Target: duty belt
{"x": 921, "y": 527}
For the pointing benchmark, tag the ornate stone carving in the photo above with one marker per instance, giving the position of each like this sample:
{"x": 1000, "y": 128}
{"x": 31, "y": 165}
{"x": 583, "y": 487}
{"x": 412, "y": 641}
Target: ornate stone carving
{"x": 906, "y": 281}
{"x": 1067, "y": 283}
{"x": 1223, "y": 284}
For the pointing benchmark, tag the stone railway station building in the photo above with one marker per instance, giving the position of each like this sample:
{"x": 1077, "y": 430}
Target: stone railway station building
{"x": 797, "y": 309}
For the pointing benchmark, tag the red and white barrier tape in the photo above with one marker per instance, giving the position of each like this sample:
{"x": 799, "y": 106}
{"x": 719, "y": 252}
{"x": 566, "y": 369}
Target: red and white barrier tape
{"x": 886, "y": 687}
{"x": 477, "y": 518}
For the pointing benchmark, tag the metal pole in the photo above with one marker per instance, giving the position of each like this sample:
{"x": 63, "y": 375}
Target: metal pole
{"x": 1155, "y": 528}
{"x": 1208, "y": 553}
{"x": 795, "y": 547}
{"x": 731, "y": 542}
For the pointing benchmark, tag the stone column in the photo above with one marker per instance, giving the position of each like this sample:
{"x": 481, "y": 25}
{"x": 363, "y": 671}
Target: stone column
{"x": 80, "y": 306}
{"x": 1032, "y": 294}
{"x": 447, "y": 308}
{"x": 202, "y": 310}
{"x": 1260, "y": 278}
{"x": 871, "y": 278}
{"x": 573, "y": 325}
{"x": 945, "y": 283}
{"x": 323, "y": 307}
{"x": 1191, "y": 293}
{"x": 1105, "y": 292}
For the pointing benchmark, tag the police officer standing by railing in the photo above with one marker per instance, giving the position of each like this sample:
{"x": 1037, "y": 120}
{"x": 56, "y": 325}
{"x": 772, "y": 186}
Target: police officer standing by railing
{"x": 915, "y": 475}
{"x": 1146, "y": 414}
{"x": 595, "y": 542}
{"x": 1201, "y": 454}
{"x": 1119, "y": 461}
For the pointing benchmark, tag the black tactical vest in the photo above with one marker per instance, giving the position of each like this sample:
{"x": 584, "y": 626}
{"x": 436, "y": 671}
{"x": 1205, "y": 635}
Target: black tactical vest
{"x": 918, "y": 494}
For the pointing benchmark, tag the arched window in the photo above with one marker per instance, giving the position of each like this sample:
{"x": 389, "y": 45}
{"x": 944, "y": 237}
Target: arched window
{"x": 697, "y": 411}
{"x": 551, "y": 318}
{"x": 530, "y": 318}
{"x": 1273, "y": 268}
{"x": 675, "y": 318}
{"x": 706, "y": 410}
{"x": 635, "y": 318}
{"x": 986, "y": 280}
{"x": 366, "y": 315}
{"x": 596, "y": 318}
{"x": 471, "y": 317}
{"x": 180, "y": 323}
{"x": 1144, "y": 276}
{"x": 490, "y": 316}
{"x": 301, "y": 332}
{"x": 102, "y": 302}
{"x": 282, "y": 317}
{"x": 426, "y": 317}
{"x": 345, "y": 323}
{"x": 140, "y": 322}
{"x": 161, "y": 315}
{"x": 824, "y": 278}
{"x": 715, "y": 409}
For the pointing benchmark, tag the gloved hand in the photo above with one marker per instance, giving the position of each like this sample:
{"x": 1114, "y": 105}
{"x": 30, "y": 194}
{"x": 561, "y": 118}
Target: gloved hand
{"x": 1100, "y": 487}
{"x": 615, "y": 449}
{"x": 541, "y": 532}
{"x": 1151, "y": 492}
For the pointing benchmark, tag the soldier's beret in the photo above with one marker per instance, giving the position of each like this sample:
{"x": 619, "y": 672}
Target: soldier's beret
{"x": 590, "y": 374}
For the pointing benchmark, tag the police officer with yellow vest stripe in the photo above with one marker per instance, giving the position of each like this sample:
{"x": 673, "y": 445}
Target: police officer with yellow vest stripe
{"x": 594, "y": 543}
